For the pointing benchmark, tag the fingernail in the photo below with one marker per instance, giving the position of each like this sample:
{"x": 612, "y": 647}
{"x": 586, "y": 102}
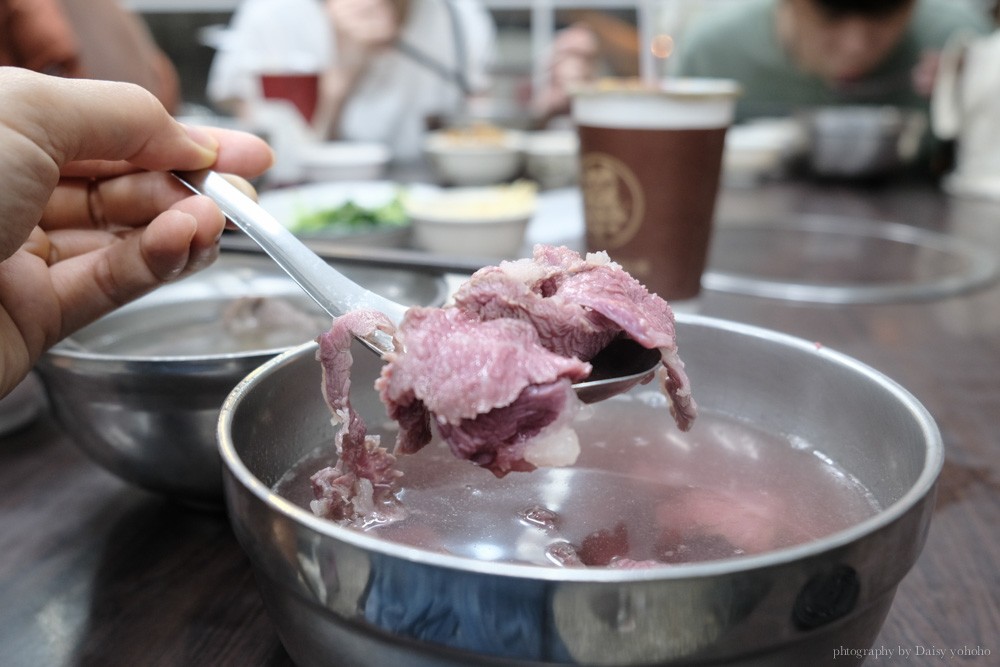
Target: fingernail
{"x": 202, "y": 138}
{"x": 242, "y": 185}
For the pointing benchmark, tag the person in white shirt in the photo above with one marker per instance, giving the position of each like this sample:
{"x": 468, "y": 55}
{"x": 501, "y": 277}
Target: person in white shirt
{"x": 387, "y": 65}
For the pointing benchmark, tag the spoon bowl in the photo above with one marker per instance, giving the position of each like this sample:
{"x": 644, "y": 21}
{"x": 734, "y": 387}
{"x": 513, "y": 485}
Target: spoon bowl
{"x": 615, "y": 370}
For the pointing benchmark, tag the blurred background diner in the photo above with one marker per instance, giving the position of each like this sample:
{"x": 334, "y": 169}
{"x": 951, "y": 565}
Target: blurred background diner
{"x": 521, "y": 60}
{"x": 382, "y": 68}
{"x": 94, "y": 39}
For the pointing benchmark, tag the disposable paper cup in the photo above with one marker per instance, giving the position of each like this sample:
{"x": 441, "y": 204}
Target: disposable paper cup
{"x": 650, "y": 159}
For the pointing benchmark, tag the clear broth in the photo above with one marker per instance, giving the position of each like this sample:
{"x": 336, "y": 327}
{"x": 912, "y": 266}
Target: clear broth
{"x": 245, "y": 324}
{"x": 640, "y": 491}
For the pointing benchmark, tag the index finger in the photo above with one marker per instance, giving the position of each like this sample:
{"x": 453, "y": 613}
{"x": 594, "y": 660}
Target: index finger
{"x": 238, "y": 153}
{"x": 72, "y": 119}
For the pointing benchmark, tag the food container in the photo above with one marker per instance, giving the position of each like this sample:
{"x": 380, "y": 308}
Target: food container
{"x": 343, "y": 161}
{"x": 552, "y": 158}
{"x": 761, "y": 149}
{"x": 140, "y": 389}
{"x": 476, "y": 221}
{"x": 862, "y": 141}
{"x": 338, "y": 595}
{"x": 476, "y": 155}
{"x": 354, "y": 213}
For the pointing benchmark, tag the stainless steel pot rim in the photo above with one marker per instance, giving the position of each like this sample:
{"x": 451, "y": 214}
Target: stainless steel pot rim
{"x": 932, "y": 466}
{"x": 67, "y": 350}
{"x": 272, "y": 283}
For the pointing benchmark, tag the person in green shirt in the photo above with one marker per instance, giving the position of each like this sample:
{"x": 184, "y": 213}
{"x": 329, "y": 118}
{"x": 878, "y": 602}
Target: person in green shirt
{"x": 790, "y": 54}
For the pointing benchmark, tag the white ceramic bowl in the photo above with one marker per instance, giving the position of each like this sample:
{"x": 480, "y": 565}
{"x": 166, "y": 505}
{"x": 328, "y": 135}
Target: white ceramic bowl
{"x": 289, "y": 205}
{"x": 761, "y": 148}
{"x": 463, "y": 160}
{"x": 552, "y": 158}
{"x": 343, "y": 160}
{"x": 471, "y": 221}
{"x": 862, "y": 141}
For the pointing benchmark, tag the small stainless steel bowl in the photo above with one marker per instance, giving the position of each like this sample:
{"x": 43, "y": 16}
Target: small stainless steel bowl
{"x": 862, "y": 141}
{"x": 140, "y": 389}
{"x": 341, "y": 596}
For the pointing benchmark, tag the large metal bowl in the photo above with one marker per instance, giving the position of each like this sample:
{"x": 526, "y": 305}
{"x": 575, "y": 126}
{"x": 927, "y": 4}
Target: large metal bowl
{"x": 140, "y": 389}
{"x": 338, "y": 596}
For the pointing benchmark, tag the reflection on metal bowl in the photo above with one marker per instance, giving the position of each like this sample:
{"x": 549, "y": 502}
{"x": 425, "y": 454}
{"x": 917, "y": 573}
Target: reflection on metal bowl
{"x": 140, "y": 389}
{"x": 338, "y": 595}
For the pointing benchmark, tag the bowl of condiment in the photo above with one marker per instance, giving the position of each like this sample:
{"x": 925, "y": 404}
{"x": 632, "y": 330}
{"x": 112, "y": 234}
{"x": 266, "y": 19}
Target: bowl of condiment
{"x": 356, "y": 213}
{"x": 552, "y": 158}
{"x": 772, "y": 532}
{"x": 486, "y": 221}
{"x": 140, "y": 389}
{"x": 343, "y": 161}
{"x": 476, "y": 154}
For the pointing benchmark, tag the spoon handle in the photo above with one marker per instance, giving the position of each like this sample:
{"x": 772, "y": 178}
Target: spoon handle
{"x": 332, "y": 290}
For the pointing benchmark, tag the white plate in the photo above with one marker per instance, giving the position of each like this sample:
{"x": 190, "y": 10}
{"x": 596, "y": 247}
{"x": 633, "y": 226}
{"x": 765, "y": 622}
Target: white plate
{"x": 289, "y": 204}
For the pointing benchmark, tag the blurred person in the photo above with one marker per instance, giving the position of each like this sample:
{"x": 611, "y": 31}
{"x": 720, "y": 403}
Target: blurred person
{"x": 786, "y": 54}
{"x": 789, "y": 54}
{"x": 594, "y": 44}
{"x": 86, "y": 39}
{"x": 89, "y": 220}
{"x": 387, "y": 66}
{"x": 573, "y": 60}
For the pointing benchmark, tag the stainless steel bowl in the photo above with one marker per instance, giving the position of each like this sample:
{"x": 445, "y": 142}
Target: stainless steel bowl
{"x": 346, "y": 597}
{"x": 140, "y": 389}
{"x": 862, "y": 141}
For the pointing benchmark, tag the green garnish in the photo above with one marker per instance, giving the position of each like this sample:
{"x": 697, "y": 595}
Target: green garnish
{"x": 350, "y": 217}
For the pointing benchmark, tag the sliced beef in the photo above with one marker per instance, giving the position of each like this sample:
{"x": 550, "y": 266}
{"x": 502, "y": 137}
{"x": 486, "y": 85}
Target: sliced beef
{"x": 578, "y": 305}
{"x": 491, "y": 387}
{"x": 493, "y": 372}
{"x": 360, "y": 487}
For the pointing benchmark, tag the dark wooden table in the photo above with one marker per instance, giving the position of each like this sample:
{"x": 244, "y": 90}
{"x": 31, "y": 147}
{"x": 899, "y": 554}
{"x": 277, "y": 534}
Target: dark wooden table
{"x": 96, "y": 572}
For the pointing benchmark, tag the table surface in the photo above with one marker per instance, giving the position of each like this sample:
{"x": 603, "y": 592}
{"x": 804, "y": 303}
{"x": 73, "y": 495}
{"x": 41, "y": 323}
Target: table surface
{"x": 96, "y": 572}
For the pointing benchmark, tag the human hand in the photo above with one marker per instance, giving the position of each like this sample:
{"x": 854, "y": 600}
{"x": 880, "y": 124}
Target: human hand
{"x": 88, "y": 219}
{"x": 573, "y": 62}
{"x": 924, "y": 73}
{"x": 363, "y": 27}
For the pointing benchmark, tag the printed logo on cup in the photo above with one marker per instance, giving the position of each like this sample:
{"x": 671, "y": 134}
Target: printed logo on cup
{"x": 613, "y": 200}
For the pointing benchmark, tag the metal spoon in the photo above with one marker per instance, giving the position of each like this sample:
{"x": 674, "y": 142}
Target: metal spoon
{"x": 616, "y": 369}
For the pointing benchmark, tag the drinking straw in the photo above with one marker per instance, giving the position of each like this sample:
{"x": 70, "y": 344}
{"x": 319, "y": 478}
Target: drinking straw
{"x": 647, "y": 61}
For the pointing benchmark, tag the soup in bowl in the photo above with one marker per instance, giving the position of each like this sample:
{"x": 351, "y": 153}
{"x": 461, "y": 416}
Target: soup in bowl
{"x": 772, "y": 532}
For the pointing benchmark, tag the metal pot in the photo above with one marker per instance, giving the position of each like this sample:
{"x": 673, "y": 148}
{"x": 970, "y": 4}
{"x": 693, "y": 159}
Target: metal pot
{"x": 341, "y": 596}
{"x": 140, "y": 389}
